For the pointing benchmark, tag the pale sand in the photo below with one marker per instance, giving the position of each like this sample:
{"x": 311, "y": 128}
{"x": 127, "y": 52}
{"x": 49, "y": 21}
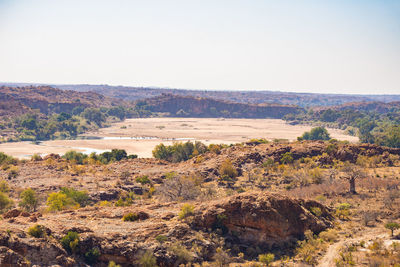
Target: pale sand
{"x": 207, "y": 130}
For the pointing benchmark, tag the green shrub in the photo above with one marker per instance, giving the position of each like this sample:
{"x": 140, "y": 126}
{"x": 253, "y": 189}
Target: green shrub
{"x": 183, "y": 255}
{"x": 161, "y": 238}
{"x": 92, "y": 256}
{"x": 125, "y": 200}
{"x": 287, "y": 158}
{"x": 269, "y": 162}
{"x": 113, "y": 264}
{"x": 343, "y": 211}
{"x": 80, "y": 197}
{"x": 59, "y": 201}
{"x": 316, "y": 175}
{"x": 148, "y": 260}
{"x": 329, "y": 235}
{"x": 130, "y": 217}
{"x": 76, "y": 157}
{"x": 309, "y": 248}
{"x": 258, "y": 141}
{"x": 179, "y": 151}
{"x": 316, "y": 211}
{"x": 4, "y": 187}
{"x": 144, "y": 179}
{"x": 5, "y": 201}
{"x": 36, "y": 157}
{"x": 331, "y": 149}
{"x": 226, "y": 170}
{"x": 266, "y": 259}
{"x": 6, "y": 159}
{"x": 70, "y": 241}
{"x": 29, "y": 200}
{"x": 170, "y": 175}
{"x": 37, "y": 231}
{"x": 13, "y": 172}
{"x": 186, "y": 211}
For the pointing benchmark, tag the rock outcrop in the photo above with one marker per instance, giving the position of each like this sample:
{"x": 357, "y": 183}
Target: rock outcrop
{"x": 262, "y": 219}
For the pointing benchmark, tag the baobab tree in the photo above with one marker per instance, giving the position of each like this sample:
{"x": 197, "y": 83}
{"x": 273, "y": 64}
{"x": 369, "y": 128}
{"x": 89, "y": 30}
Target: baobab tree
{"x": 352, "y": 173}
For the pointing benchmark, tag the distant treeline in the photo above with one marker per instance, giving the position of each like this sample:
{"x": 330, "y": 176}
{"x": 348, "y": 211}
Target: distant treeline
{"x": 374, "y": 123}
{"x": 37, "y": 126}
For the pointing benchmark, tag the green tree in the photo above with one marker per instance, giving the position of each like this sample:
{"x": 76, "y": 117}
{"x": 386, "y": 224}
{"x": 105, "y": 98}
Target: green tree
{"x": 72, "y": 155}
{"x": 329, "y": 115}
{"x": 94, "y": 114}
{"x": 365, "y": 127}
{"x": 118, "y": 112}
{"x": 317, "y": 133}
{"x": 29, "y": 200}
{"x": 161, "y": 152}
{"x": 392, "y": 226}
{"x": 29, "y": 123}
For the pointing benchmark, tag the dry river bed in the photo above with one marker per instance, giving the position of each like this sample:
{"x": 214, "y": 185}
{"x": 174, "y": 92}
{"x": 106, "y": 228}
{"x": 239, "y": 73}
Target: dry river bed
{"x": 140, "y": 136}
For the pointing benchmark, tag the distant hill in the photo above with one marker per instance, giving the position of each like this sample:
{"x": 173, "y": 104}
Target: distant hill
{"x": 188, "y": 106}
{"x": 252, "y": 97}
{"x": 48, "y": 99}
{"x": 380, "y": 107}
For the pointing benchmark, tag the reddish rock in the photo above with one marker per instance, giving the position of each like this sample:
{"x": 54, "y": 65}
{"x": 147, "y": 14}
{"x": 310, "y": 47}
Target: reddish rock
{"x": 262, "y": 218}
{"x": 9, "y": 258}
{"x": 12, "y": 213}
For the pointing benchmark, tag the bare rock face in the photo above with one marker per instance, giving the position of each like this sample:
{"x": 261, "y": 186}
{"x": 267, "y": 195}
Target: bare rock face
{"x": 262, "y": 219}
{"x": 9, "y": 258}
{"x": 16, "y": 249}
{"x": 12, "y": 213}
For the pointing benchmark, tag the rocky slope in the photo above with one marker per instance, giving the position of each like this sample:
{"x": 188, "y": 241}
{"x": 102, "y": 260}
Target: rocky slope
{"x": 187, "y": 106}
{"x": 110, "y": 180}
{"x": 46, "y": 98}
{"x": 256, "y": 219}
{"x": 250, "y": 223}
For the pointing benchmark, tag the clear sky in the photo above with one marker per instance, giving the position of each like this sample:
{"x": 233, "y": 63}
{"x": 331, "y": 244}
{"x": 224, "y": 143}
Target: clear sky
{"x": 337, "y": 46}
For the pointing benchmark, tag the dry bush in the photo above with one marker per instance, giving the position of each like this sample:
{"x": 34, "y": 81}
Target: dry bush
{"x": 374, "y": 184}
{"x": 178, "y": 189}
{"x": 368, "y": 216}
{"x": 326, "y": 189}
{"x": 390, "y": 198}
{"x": 329, "y": 235}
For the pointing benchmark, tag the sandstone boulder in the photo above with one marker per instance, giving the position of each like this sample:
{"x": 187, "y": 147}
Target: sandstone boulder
{"x": 262, "y": 218}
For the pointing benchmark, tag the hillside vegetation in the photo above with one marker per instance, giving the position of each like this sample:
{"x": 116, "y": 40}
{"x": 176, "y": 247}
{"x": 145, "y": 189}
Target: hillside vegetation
{"x": 250, "y": 204}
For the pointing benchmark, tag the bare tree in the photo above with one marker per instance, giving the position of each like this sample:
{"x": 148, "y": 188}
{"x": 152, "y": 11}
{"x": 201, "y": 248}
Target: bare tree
{"x": 352, "y": 173}
{"x": 178, "y": 189}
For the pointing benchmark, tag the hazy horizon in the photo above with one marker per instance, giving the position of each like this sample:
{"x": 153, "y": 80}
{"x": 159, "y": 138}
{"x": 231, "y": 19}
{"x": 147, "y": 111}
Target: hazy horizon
{"x": 333, "y": 47}
{"x": 192, "y": 89}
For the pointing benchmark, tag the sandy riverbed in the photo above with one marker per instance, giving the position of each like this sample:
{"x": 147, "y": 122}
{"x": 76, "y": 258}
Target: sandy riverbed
{"x": 162, "y": 130}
